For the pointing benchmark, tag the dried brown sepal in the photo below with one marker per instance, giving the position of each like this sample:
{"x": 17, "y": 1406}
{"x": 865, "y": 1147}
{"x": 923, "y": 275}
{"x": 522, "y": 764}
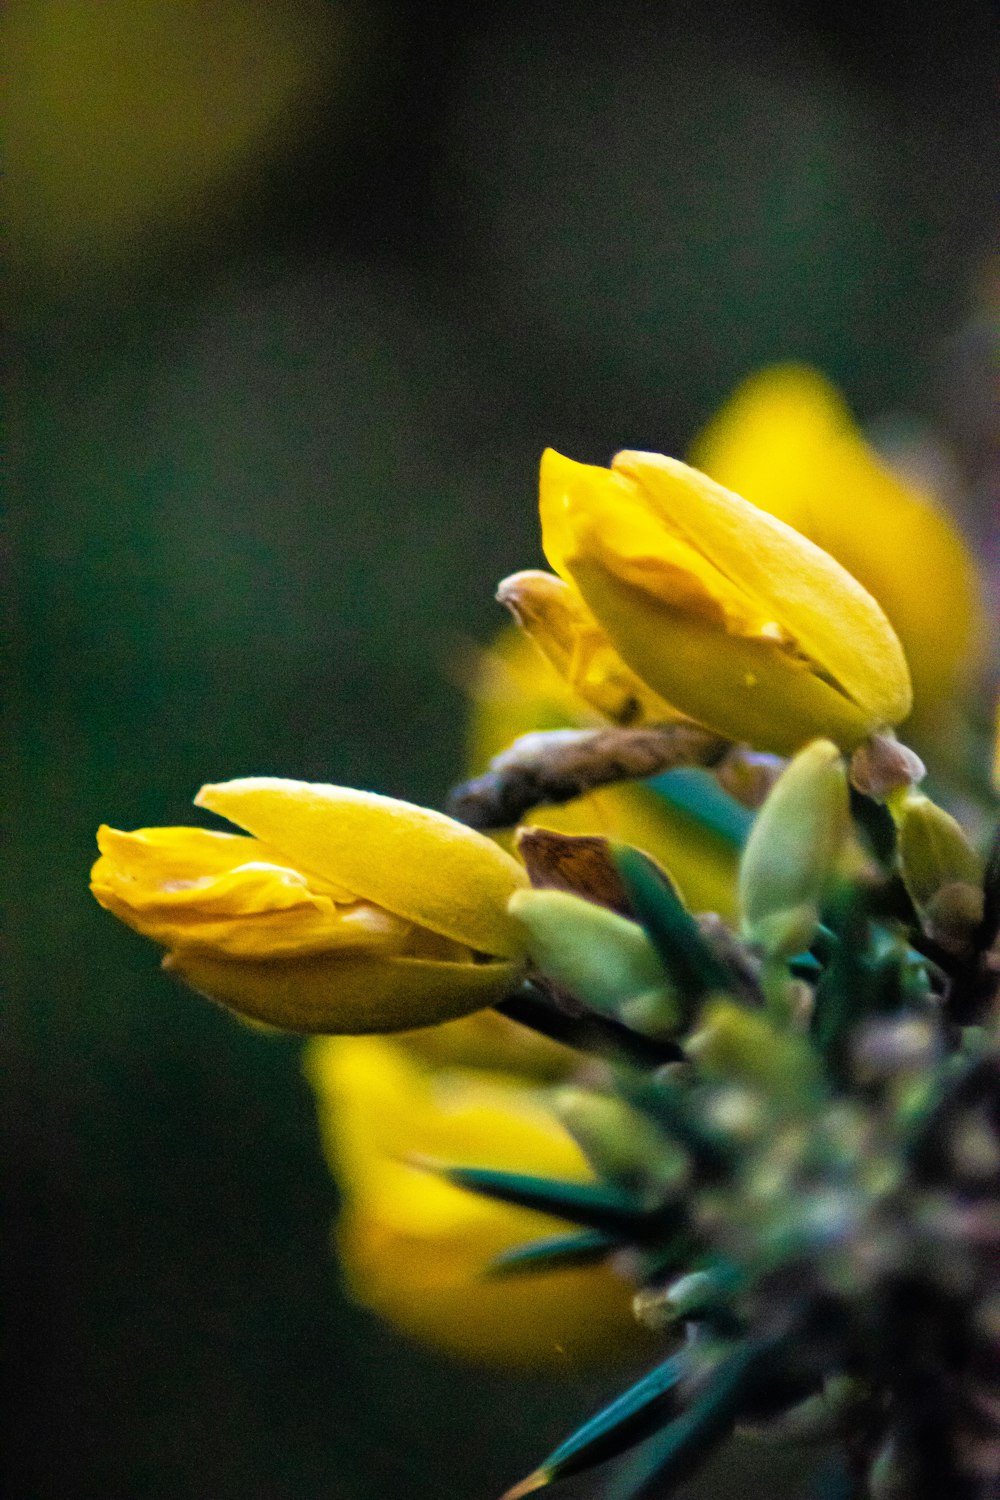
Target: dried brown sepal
{"x": 554, "y": 766}
{"x": 578, "y": 863}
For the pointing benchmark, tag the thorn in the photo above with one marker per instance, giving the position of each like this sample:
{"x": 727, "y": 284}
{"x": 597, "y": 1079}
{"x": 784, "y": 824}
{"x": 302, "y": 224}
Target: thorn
{"x": 535, "y": 1481}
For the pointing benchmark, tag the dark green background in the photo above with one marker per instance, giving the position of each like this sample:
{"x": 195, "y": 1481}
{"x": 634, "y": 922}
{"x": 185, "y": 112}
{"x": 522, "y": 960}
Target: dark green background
{"x": 267, "y": 468}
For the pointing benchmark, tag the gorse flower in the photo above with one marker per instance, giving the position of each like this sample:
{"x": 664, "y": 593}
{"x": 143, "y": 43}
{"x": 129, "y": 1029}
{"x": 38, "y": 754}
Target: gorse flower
{"x": 345, "y": 911}
{"x": 418, "y": 1250}
{"x": 726, "y": 612}
{"x": 787, "y": 442}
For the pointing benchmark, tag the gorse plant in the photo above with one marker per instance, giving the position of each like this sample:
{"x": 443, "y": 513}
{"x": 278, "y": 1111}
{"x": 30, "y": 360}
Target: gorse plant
{"x": 702, "y": 1066}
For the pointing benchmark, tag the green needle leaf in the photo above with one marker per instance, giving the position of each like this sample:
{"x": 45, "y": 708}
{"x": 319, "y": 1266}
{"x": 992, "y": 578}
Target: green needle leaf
{"x": 629, "y": 1419}
{"x": 697, "y": 793}
{"x": 593, "y": 1205}
{"x": 554, "y": 1253}
{"x": 688, "y": 959}
{"x": 675, "y": 1114}
{"x": 681, "y": 1448}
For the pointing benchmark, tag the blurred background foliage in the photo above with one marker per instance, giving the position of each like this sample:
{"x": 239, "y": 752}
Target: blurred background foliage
{"x": 299, "y": 291}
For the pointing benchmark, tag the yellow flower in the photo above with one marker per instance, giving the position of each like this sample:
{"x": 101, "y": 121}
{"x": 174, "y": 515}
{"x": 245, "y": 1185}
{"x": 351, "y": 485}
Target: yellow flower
{"x": 516, "y": 689}
{"x": 741, "y": 622}
{"x": 414, "y": 1248}
{"x": 345, "y": 911}
{"x": 487, "y": 1041}
{"x": 787, "y": 442}
{"x": 552, "y": 613}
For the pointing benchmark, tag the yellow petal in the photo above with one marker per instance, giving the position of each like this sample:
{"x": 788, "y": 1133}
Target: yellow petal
{"x": 410, "y": 860}
{"x": 833, "y": 620}
{"x": 487, "y": 1040}
{"x": 787, "y": 442}
{"x": 345, "y": 992}
{"x": 748, "y": 690}
{"x": 219, "y": 892}
{"x": 589, "y": 511}
{"x": 552, "y": 612}
{"x": 414, "y": 1248}
{"x": 154, "y": 857}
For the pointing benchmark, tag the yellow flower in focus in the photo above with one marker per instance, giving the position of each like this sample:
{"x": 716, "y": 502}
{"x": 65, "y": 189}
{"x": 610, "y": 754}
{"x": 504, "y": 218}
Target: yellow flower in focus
{"x": 515, "y": 690}
{"x": 741, "y": 622}
{"x": 414, "y": 1248}
{"x": 552, "y": 613}
{"x": 787, "y": 442}
{"x": 345, "y": 911}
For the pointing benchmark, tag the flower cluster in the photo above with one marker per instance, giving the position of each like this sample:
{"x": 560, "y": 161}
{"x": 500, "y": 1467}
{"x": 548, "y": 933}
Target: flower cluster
{"x": 705, "y": 1050}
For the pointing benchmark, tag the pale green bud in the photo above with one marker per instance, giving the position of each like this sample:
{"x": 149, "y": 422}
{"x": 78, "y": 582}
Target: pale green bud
{"x": 793, "y": 850}
{"x": 619, "y": 1143}
{"x": 603, "y": 959}
{"x": 744, "y": 1047}
{"x": 933, "y": 850}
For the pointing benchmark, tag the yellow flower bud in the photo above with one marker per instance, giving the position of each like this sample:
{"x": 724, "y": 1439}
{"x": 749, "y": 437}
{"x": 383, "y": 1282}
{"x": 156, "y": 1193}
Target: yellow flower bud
{"x": 793, "y": 850}
{"x": 741, "y": 622}
{"x": 415, "y": 1248}
{"x": 345, "y": 911}
{"x": 787, "y": 441}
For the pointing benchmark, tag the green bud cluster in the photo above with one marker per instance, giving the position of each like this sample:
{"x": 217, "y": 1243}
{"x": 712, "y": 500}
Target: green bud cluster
{"x": 795, "y": 1135}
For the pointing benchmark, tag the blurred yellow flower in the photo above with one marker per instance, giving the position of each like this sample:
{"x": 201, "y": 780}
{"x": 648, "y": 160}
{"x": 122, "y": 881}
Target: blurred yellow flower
{"x": 486, "y": 1040}
{"x": 345, "y": 911}
{"x": 126, "y": 115}
{"x": 787, "y": 442}
{"x": 515, "y": 689}
{"x": 414, "y": 1248}
{"x": 741, "y": 622}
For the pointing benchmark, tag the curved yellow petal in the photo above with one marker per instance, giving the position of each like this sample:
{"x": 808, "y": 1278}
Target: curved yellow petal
{"x": 153, "y": 857}
{"x": 588, "y": 509}
{"x": 345, "y": 992}
{"x": 414, "y": 1248}
{"x": 553, "y": 614}
{"x": 410, "y": 860}
{"x": 191, "y": 892}
{"x": 748, "y": 690}
{"x": 831, "y": 618}
{"x": 787, "y": 441}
